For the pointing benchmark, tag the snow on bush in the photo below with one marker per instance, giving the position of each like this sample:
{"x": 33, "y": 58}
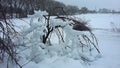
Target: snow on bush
{"x": 48, "y": 36}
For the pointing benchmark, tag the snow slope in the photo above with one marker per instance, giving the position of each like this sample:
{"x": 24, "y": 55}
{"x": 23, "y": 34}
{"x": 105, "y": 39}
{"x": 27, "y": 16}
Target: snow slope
{"x": 109, "y": 44}
{"x": 101, "y": 20}
{"x": 56, "y": 62}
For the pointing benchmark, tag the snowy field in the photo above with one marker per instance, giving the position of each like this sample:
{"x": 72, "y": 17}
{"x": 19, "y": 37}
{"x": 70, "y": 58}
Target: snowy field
{"x": 109, "y": 41}
{"x": 109, "y": 44}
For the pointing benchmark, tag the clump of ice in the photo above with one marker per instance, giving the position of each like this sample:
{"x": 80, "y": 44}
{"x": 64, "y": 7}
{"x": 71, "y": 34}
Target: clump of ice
{"x": 69, "y": 46}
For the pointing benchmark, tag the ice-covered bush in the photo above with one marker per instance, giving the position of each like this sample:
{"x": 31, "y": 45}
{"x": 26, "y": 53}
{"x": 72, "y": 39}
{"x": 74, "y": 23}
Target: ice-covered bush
{"x": 49, "y": 36}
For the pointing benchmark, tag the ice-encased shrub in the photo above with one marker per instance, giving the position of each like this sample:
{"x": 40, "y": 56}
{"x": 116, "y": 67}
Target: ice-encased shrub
{"x": 49, "y": 36}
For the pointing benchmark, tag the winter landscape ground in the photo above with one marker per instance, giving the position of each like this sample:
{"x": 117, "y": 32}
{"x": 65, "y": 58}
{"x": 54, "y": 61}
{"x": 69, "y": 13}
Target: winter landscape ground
{"x": 109, "y": 44}
{"x": 108, "y": 40}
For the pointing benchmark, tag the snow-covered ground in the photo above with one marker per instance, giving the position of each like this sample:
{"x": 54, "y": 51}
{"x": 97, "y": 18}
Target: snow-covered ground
{"x": 109, "y": 44}
{"x": 102, "y": 20}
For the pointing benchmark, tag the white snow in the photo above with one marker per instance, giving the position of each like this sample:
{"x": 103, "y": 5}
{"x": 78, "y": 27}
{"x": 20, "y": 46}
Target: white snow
{"x": 101, "y": 20}
{"x": 56, "y": 62}
{"x": 109, "y": 44}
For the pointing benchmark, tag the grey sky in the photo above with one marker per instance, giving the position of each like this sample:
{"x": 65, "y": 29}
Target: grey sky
{"x": 94, "y": 4}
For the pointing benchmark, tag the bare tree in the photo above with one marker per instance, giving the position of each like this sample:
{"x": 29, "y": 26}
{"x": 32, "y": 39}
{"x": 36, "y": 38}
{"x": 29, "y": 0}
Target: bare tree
{"x": 7, "y": 47}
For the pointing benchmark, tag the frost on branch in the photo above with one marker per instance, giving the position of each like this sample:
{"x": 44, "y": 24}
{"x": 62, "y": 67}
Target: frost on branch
{"x": 50, "y": 36}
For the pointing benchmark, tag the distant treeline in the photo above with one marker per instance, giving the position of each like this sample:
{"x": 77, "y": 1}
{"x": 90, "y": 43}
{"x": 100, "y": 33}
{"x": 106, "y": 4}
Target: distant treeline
{"x": 85, "y": 10}
{"x": 105, "y": 10}
{"x": 21, "y": 8}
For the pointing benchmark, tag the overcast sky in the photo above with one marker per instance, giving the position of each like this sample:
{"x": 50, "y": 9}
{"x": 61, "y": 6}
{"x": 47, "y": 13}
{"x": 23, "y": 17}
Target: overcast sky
{"x": 94, "y": 4}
